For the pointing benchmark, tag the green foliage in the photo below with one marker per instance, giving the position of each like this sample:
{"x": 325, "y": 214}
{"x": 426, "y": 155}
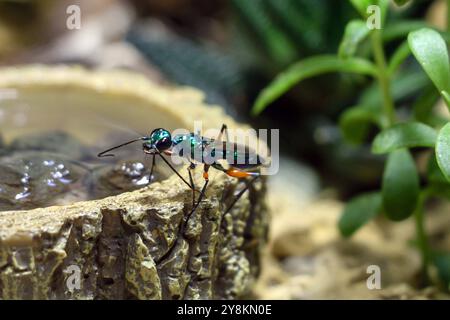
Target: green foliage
{"x": 296, "y": 18}
{"x": 423, "y": 107}
{"x": 356, "y": 122}
{"x": 400, "y": 187}
{"x": 308, "y": 68}
{"x": 404, "y": 135}
{"x": 273, "y": 34}
{"x": 398, "y": 57}
{"x": 446, "y": 97}
{"x": 434, "y": 173}
{"x": 403, "y": 85}
{"x": 355, "y": 33}
{"x": 394, "y": 82}
{"x": 362, "y": 6}
{"x": 400, "y": 29}
{"x": 443, "y": 150}
{"x": 442, "y": 263}
{"x": 358, "y": 212}
{"x": 401, "y": 2}
{"x": 430, "y": 50}
{"x": 276, "y": 42}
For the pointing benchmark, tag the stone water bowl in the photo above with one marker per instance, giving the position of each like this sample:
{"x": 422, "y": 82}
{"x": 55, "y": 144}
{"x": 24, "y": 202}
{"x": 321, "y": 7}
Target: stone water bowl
{"x": 127, "y": 246}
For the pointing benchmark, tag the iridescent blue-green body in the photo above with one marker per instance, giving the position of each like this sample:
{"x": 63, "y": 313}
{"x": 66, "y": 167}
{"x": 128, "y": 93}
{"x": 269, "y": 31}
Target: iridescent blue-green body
{"x": 206, "y": 150}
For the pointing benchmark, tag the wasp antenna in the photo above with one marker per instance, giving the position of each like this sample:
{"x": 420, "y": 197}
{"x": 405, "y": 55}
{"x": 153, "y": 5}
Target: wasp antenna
{"x": 106, "y": 154}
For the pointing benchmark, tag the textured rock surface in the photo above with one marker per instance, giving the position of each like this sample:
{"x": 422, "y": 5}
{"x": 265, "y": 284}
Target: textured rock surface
{"x": 131, "y": 246}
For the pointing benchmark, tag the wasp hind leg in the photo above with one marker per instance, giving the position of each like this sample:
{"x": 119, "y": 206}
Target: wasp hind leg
{"x": 223, "y": 130}
{"x": 248, "y": 183}
{"x": 241, "y": 175}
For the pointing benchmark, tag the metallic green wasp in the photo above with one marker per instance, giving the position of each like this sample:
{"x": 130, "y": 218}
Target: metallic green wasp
{"x": 243, "y": 162}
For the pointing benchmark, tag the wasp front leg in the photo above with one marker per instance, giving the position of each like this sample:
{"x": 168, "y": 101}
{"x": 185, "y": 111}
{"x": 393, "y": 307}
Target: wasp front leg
{"x": 169, "y": 153}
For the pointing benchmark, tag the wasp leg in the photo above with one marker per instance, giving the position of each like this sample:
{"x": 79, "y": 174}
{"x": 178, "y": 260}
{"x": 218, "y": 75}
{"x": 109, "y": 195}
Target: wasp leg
{"x": 170, "y": 166}
{"x": 234, "y": 172}
{"x": 152, "y": 153}
{"x": 239, "y": 195}
{"x": 153, "y": 166}
{"x": 190, "y": 168}
{"x": 239, "y": 174}
{"x": 223, "y": 130}
{"x": 202, "y": 192}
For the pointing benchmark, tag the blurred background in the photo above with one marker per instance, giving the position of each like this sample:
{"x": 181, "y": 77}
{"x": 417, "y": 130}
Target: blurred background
{"x": 231, "y": 50}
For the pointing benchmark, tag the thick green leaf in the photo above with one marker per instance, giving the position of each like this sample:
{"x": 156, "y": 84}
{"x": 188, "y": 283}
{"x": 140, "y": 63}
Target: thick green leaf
{"x": 443, "y": 150}
{"x": 400, "y": 186}
{"x": 358, "y": 212}
{"x": 404, "y": 135}
{"x": 355, "y": 123}
{"x": 308, "y": 68}
{"x": 430, "y": 50}
{"x": 355, "y": 32}
{"x": 442, "y": 263}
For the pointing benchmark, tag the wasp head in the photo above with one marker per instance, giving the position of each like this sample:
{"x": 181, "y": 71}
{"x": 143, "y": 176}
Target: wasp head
{"x": 159, "y": 139}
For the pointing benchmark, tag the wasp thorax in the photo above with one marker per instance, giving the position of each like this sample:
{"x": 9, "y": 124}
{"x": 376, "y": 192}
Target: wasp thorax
{"x": 161, "y": 139}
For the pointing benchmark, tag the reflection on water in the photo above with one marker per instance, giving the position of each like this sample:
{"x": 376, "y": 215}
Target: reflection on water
{"x": 31, "y": 179}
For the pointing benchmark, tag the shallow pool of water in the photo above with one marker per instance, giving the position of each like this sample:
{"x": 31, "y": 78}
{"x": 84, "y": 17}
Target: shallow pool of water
{"x": 49, "y": 141}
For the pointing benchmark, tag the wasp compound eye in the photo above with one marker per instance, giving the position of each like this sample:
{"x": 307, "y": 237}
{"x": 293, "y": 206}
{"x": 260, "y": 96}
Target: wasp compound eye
{"x": 161, "y": 139}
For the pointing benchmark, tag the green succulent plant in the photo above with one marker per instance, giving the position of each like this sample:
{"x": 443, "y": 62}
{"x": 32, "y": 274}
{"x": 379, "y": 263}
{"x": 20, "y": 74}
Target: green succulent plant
{"x": 404, "y": 190}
